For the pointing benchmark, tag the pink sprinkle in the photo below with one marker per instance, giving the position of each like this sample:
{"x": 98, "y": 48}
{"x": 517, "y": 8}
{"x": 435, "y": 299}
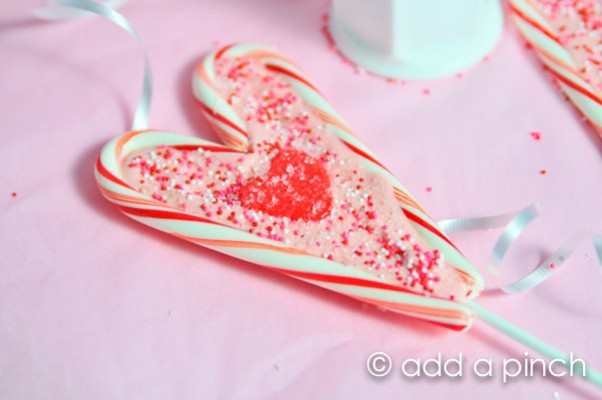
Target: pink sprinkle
{"x": 552, "y": 265}
{"x": 429, "y": 189}
{"x": 426, "y": 92}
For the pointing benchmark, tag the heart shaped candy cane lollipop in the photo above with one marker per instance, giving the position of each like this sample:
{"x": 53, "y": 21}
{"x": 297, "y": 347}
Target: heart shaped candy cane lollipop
{"x": 294, "y": 191}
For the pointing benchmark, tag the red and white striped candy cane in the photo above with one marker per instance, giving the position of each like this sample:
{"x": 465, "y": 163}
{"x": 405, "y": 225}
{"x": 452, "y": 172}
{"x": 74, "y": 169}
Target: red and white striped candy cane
{"x": 536, "y": 22}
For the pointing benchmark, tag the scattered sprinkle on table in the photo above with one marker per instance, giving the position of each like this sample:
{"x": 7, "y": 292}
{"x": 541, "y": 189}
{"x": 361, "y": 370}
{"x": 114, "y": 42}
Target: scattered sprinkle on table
{"x": 536, "y": 135}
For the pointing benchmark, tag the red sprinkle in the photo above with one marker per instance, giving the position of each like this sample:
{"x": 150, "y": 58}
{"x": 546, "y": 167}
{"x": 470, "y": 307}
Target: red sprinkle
{"x": 14, "y": 194}
{"x": 536, "y": 135}
{"x": 543, "y": 171}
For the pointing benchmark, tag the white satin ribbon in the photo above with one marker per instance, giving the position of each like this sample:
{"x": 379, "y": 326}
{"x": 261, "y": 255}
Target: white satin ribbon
{"x": 485, "y": 223}
{"x": 52, "y": 12}
{"x": 516, "y": 222}
{"x": 64, "y": 9}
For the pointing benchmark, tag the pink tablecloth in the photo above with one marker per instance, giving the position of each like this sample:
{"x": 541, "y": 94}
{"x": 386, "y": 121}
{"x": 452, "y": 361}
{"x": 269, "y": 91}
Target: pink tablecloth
{"x": 95, "y": 306}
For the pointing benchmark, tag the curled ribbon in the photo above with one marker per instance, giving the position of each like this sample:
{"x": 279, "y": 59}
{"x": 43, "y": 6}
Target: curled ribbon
{"x": 64, "y": 9}
{"x": 51, "y": 11}
{"x": 515, "y": 223}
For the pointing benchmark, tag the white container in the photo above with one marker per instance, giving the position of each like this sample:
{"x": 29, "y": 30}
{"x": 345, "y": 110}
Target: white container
{"x": 415, "y": 39}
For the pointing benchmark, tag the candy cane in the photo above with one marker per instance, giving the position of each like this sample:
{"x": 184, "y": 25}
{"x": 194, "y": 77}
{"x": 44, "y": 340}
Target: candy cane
{"x": 538, "y": 29}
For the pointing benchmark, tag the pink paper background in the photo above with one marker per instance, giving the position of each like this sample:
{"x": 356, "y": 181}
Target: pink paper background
{"x": 95, "y": 306}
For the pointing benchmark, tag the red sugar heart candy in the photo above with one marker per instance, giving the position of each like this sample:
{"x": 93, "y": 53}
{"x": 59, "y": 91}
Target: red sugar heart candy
{"x": 297, "y": 186}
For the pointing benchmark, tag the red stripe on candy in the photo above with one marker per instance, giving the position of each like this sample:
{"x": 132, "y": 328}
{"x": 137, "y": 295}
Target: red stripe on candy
{"x": 221, "y": 51}
{"x": 534, "y": 24}
{"x": 364, "y": 154}
{"x": 577, "y": 87}
{"x": 345, "y": 280}
{"x": 415, "y": 218}
{"x": 162, "y": 214}
{"x": 449, "y": 326}
{"x": 221, "y": 118}
{"x": 281, "y": 70}
{"x": 106, "y": 174}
